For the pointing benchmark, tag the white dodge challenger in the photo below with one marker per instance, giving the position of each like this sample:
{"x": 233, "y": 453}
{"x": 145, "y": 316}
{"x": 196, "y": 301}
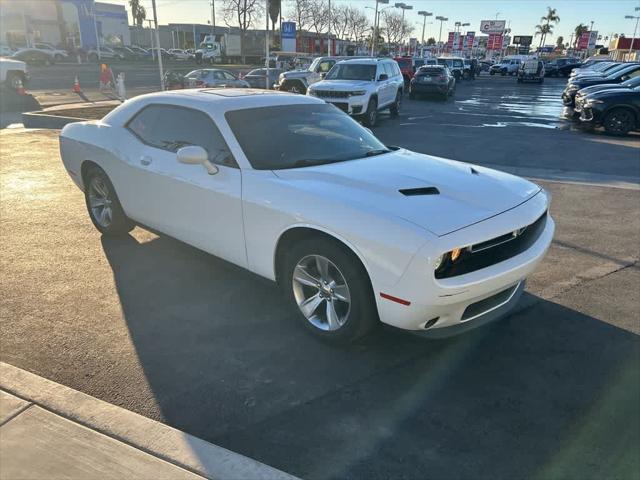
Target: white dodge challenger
{"x": 289, "y": 187}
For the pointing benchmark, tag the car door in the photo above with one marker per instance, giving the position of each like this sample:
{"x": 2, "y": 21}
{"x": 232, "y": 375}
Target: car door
{"x": 184, "y": 201}
{"x": 383, "y": 85}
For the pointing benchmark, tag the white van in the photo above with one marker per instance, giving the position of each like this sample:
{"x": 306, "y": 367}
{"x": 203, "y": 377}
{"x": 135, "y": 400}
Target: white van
{"x": 509, "y": 65}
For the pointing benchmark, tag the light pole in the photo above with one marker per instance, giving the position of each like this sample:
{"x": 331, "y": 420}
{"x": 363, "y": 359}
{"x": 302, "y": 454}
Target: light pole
{"x": 497, "y": 13}
{"x": 404, "y": 7}
{"x": 424, "y": 22}
{"x": 374, "y": 40}
{"x": 637, "y": 17}
{"x": 157, "y": 35}
{"x": 213, "y": 18}
{"x": 442, "y": 19}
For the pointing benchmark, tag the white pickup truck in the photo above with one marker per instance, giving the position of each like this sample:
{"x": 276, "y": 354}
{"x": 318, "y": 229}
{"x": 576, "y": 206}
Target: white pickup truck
{"x": 13, "y": 72}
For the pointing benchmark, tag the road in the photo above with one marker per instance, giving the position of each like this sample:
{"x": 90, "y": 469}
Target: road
{"x": 160, "y": 328}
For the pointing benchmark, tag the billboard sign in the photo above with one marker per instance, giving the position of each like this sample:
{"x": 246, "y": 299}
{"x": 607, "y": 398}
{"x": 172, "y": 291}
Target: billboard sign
{"x": 587, "y": 40}
{"x": 494, "y": 42}
{"x": 288, "y": 36}
{"x": 522, "y": 40}
{"x": 492, "y": 26}
{"x": 470, "y": 39}
{"x": 452, "y": 40}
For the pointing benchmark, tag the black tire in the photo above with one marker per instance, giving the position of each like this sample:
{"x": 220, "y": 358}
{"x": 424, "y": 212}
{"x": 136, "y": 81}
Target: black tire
{"x": 395, "y": 107}
{"x": 541, "y": 80}
{"x": 362, "y": 315}
{"x": 370, "y": 118}
{"x": 119, "y": 223}
{"x": 491, "y": 72}
{"x": 619, "y": 121}
{"x": 295, "y": 87}
{"x": 503, "y": 73}
{"x": 14, "y": 79}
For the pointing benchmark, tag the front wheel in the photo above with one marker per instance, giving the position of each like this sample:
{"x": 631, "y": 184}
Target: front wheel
{"x": 103, "y": 204}
{"x": 619, "y": 121}
{"x": 329, "y": 288}
{"x": 394, "y": 109}
{"x": 371, "y": 116}
{"x": 294, "y": 88}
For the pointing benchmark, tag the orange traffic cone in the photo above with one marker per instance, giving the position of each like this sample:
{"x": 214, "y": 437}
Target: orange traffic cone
{"x": 20, "y": 88}
{"x": 76, "y": 86}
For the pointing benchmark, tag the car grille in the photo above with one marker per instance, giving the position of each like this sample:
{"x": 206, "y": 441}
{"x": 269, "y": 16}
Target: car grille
{"x": 342, "y": 106}
{"x": 495, "y": 250}
{"x": 330, "y": 94}
{"x": 491, "y": 303}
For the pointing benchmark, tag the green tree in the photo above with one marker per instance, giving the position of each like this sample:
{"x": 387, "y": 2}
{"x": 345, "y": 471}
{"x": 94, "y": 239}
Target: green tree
{"x": 431, "y": 41}
{"x": 548, "y": 21}
{"x": 137, "y": 12}
{"x": 560, "y": 41}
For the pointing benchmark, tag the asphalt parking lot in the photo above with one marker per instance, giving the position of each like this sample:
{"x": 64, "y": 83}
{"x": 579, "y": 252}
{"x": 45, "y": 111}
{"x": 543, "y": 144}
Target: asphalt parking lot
{"x": 160, "y": 328}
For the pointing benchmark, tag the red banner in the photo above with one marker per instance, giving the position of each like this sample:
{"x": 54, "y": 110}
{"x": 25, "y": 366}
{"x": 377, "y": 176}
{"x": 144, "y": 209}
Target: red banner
{"x": 452, "y": 36}
{"x": 583, "y": 41}
{"x": 494, "y": 42}
{"x": 470, "y": 37}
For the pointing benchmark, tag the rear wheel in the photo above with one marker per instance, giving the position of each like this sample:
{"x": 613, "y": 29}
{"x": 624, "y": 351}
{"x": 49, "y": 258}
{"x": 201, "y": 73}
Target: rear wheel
{"x": 294, "y": 87}
{"x": 371, "y": 116}
{"x": 15, "y": 80}
{"x": 329, "y": 288}
{"x": 103, "y": 205}
{"x": 619, "y": 121}
{"x": 395, "y": 107}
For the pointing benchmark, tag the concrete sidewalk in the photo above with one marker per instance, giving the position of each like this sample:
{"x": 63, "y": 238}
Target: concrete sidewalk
{"x": 48, "y": 430}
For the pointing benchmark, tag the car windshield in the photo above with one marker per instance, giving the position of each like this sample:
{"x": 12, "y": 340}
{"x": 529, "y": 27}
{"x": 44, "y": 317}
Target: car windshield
{"x": 632, "y": 82}
{"x": 291, "y": 136}
{"x": 351, "y": 71}
{"x": 622, "y": 69}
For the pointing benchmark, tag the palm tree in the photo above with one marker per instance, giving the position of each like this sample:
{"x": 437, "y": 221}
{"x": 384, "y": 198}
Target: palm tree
{"x": 137, "y": 12}
{"x": 560, "y": 41}
{"x": 579, "y": 30}
{"x": 549, "y": 19}
{"x": 543, "y": 31}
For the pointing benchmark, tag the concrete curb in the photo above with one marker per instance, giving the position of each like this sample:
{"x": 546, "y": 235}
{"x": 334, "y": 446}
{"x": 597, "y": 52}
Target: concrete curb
{"x": 42, "y": 120}
{"x": 150, "y": 436}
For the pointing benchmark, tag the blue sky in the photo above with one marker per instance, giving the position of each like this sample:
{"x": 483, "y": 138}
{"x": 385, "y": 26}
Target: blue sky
{"x": 523, "y": 15}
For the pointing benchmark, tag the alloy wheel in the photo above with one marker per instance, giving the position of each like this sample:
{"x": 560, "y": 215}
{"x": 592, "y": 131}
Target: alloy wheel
{"x": 321, "y": 292}
{"x": 100, "y": 202}
{"x": 619, "y": 122}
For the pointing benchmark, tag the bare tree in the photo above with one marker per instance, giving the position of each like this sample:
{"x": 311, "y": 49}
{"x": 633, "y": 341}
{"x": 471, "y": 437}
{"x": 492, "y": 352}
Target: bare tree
{"x": 340, "y": 17}
{"x": 243, "y": 14}
{"x": 299, "y": 12}
{"x": 319, "y": 16}
{"x": 395, "y": 27}
{"x": 359, "y": 25}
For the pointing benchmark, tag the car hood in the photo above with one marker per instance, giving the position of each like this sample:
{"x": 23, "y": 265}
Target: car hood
{"x": 458, "y": 194}
{"x": 15, "y": 63}
{"x": 612, "y": 92}
{"x": 599, "y": 88}
{"x": 588, "y": 81}
{"x": 340, "y": 85}
{"x": 296, "y": 73}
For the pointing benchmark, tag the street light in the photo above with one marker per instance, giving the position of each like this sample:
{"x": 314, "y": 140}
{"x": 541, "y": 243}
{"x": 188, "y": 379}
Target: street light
{"x": 404, "y": 7}
{"x": 637, "y": 18}
{"x": 442, "y": 19}
{"x": 424, "y": 22}
{"x": 374, "y": 40}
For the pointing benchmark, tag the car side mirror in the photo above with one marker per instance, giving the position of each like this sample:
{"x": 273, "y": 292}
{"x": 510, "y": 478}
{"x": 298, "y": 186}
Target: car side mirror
{"x": 382, "y": 77}
{"x": 323, "y": 74}
{"x": 195, "y": 155}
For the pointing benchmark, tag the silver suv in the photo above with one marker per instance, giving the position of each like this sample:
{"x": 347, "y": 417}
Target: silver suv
{"x": 362, "y": 87}
{"x": 297, "y": 81}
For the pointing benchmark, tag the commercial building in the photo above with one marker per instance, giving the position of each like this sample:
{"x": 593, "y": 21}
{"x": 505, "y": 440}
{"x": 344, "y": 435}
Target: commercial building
{"x": 66, "y": 23}
{"x": 619, "y": 49}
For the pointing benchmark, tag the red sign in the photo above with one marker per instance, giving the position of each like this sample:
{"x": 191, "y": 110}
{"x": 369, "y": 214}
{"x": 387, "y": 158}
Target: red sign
{"x": 450, "y": 40}
{"x": 470, "y": 37}
{"x": 494, "y": 42}
{"x": 583, "y": 41}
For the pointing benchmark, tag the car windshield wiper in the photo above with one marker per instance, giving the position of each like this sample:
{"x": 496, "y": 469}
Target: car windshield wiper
{"x": 309, "y": 162}
{"x": 373, "y": 153}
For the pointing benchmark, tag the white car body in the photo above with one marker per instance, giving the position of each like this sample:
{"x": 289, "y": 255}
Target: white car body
{"x": 397, "y": 237}
{"x": 13, "y": 69}
{"x": 56, "y": 53}
{"x": 179, "y": 54}
{"x": 341, "y": 92}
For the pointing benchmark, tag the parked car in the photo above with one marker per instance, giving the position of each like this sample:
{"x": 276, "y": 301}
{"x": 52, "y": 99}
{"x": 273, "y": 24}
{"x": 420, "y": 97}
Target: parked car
{"x": 406, "y": 67}
{"x": 352, "y": 231}
{"x": 298, "y": 81}
{"x": 104, "y": 53}
{"x": 629, "y": 71}
{"x": 531, "y": 70}
{"x": 140, "y": 52}
{"x": 436, "y": 79}
{"x": 454, "y": 64}
{"x": 595, "y": 67}
{"x": 6, "y": 50}
{"x": 178, "y": 54}
{"x": 362, "y": 87}
{"x": 562, "y": 67}
{"x": 13, "y": 73}
{"x": 174, "y": 80}
{"x": 125, "y": 52}
{"x": 58, "y": 54}
{"x": 165, "y": 53}
{"x": 213, "y": 77}
{"x": 33, "y": 56}
{"x": 257, "y": 78}
{"x": 507, "y": 66}
{"x": 605, "y": 72}
{"x": 617, "y": 110}
{"x": 582, "y": 93}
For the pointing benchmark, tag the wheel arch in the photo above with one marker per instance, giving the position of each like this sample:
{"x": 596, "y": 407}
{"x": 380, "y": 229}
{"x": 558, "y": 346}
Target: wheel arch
{"x": 85, "y": 166}
{"x": 296, "y": 233}
{"x": 623, "y": 106}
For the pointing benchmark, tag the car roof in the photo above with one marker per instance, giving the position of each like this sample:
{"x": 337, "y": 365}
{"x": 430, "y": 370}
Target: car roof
{"x": 367, "y": 61}
{"x": 211, "y": 100}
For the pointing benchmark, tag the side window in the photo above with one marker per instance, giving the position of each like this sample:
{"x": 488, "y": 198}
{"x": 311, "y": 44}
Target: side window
{"x": 171, "y": 127}
{"x": 228, "y": 76}
{"x": 324, "y": 67}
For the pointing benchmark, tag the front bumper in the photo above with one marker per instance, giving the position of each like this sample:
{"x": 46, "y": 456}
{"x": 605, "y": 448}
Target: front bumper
{"x": 354, "y": 105}
{"x": 569, "y": 97}
{"x": 449, "y": 300}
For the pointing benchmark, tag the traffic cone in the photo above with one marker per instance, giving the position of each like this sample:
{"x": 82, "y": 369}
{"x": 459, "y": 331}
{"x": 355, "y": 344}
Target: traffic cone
{"x": 76, "y": 86}
{"x": 20, "y": 88}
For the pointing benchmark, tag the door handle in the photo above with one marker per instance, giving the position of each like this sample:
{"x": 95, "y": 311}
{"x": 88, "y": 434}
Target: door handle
{"x": 145, "y": 160}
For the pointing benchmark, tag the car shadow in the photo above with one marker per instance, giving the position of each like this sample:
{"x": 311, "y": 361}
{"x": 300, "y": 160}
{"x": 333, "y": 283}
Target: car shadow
{"x": 547, "y": 392}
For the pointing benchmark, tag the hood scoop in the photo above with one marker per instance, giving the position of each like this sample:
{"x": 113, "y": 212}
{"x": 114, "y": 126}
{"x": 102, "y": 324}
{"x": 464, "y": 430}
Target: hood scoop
{"x": 413, "y": 192}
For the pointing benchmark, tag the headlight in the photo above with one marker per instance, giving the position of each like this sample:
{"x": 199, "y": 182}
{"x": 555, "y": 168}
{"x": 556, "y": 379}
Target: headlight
{"x": 447, "y": 258}
{"x": 439, "y": 262}
{"x": 572, "y": 88}
{"x": 593, "y": 101}
{"x": 311, "y": 91}
{"x": 281, "y": 77}
{"x": 358, "y": 92}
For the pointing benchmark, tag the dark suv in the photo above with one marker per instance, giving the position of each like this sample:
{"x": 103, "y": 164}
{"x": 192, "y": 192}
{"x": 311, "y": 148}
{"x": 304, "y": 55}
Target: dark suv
{"x": 435, "y": 79}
